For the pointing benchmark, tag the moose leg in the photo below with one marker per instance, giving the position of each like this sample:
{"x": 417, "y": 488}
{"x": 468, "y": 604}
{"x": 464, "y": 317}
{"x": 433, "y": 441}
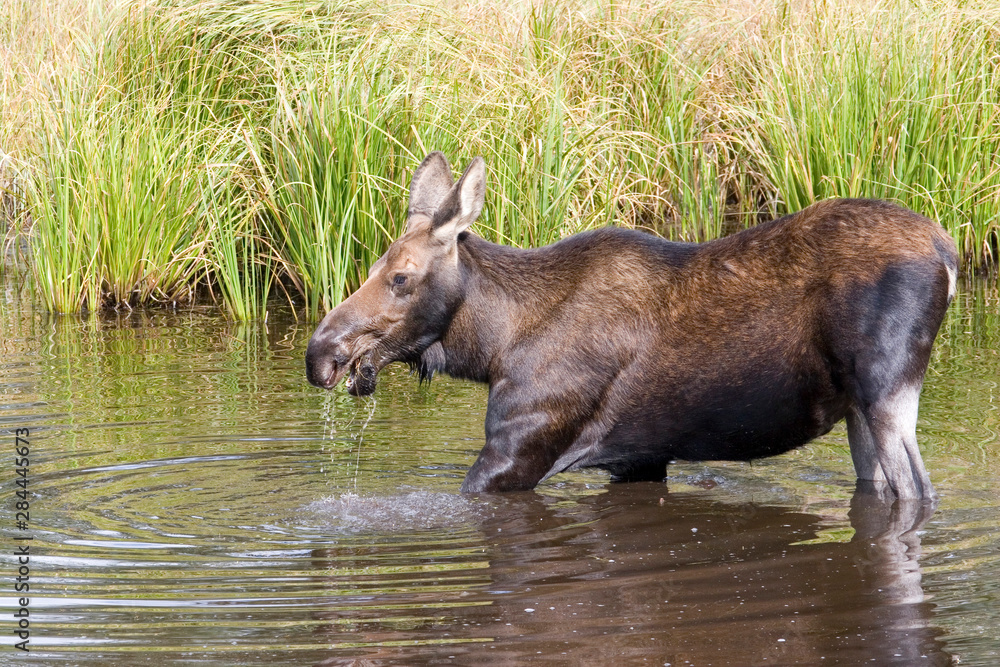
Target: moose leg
{"x": 519, "y": 452}
{"x": 886, "y": 330}
{"x": 524, "y": 438}
{"x": 520, "y": 449}
{"x": 883, "y": 440}
{"x": 863, "y": 451}
{"x": 496, "y": 471}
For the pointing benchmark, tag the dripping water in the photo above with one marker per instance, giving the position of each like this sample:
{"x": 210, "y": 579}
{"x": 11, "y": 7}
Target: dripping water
{"x": 330, "y": 431}
{"x": 370, "y": 401}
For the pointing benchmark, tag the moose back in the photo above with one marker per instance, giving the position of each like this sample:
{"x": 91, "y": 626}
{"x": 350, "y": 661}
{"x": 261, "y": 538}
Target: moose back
{"x": 619, "y": 350}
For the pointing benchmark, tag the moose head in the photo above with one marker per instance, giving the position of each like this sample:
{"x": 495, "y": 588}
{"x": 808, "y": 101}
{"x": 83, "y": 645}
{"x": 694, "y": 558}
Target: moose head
{"x": 412, "y": 291}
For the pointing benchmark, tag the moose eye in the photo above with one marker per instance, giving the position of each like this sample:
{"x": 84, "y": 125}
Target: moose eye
{"x": 399, "y": 280}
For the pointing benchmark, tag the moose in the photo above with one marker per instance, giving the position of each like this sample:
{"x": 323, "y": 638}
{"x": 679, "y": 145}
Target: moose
{"x": 616, "y": 349}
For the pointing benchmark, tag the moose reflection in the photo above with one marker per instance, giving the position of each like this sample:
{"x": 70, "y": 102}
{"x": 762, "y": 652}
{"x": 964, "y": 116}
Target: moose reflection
{"x": 619, "y": 350}
{"x": 632, "y": 574}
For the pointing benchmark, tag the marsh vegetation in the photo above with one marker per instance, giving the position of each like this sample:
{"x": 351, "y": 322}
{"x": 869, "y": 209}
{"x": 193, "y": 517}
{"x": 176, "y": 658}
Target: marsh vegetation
{"x": 168, "y": 151}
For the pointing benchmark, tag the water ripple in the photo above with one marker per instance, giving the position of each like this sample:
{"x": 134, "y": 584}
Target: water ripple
{"x": 195, "y": 501}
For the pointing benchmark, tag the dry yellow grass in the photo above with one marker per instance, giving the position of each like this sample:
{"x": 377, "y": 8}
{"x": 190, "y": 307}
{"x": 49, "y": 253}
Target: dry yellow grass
{"x": 38, "y": 42}
{"x": 689, "y": 117}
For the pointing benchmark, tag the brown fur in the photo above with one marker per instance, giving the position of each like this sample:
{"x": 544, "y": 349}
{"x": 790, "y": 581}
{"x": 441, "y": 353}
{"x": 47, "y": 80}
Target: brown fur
{"x": 616, "y": 349}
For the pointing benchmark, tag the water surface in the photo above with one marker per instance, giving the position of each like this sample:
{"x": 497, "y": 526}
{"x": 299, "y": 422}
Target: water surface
{"x": 195, "y": 501}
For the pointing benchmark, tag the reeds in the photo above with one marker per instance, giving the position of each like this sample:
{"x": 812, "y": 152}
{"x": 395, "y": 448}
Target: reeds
{"x": 890, "y": 104}
{"x": 224, "y": 148}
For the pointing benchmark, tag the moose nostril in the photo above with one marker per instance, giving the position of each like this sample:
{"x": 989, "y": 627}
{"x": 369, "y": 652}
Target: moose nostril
{"x": 339, "y": 354}
{"x": 323, "y": 357}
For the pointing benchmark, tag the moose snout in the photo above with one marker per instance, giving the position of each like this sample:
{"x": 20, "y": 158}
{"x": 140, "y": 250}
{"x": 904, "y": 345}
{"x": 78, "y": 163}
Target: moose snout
{"x": 326, "y": 360}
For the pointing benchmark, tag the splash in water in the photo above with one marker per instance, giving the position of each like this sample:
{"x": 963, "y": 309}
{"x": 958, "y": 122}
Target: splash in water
{"x": 417, "y": 510}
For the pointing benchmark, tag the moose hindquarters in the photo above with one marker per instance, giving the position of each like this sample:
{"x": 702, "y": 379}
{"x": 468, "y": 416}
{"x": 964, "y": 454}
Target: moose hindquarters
{"x": 886, "y": 332}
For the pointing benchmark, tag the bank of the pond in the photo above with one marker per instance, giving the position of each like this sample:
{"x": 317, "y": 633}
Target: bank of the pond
{"x": 232, "y": 149}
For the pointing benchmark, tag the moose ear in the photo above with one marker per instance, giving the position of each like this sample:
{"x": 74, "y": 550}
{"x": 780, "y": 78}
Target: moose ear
{"x": 430, "y": 186}
{"x": 464, "y": 203}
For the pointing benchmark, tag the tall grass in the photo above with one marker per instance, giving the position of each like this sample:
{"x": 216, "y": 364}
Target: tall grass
{"x": 141, "y": 188}
{"x": 39, "y": 42}
{"x": 882, "y": 106}
{"x": 227, "y": 148}
{"x": 332, "y": 153}
{"x": 239, "y": 255}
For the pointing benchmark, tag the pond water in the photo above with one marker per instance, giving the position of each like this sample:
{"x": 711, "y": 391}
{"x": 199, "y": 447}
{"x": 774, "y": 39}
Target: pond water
{"x": 194, "y": 501}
